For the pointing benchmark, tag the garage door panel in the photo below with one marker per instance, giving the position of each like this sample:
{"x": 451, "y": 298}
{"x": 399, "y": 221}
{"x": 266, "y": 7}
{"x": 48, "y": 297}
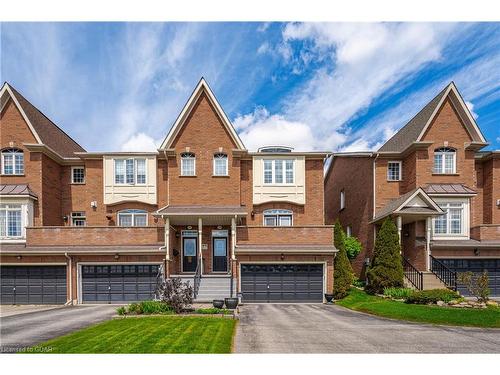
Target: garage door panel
{"x": 282, "y": 282}
{"x": 477, "y": 266}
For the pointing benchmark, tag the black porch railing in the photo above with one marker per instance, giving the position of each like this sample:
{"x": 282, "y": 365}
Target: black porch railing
{"x": 197, "y": 279}
{"x": 443, "y": 273}
{"x": 413, "y": 275}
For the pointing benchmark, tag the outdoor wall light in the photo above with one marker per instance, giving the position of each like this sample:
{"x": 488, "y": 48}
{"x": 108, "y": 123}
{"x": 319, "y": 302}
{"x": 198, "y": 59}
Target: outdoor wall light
{"x": 109, "y": 217}
{"x": 19, "y": 257}
{"x": 175, "y": 252}
{"x": 476, "y": 251}
{"x": 65, "y": 218}
{"x": 252, "y": 214}
{"x": 282, "y": 256}
{"x": 117, "y": 256}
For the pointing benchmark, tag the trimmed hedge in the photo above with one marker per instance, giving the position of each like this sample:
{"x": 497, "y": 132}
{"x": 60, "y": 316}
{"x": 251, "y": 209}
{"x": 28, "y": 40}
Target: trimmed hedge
{"x": 423, "y": 297}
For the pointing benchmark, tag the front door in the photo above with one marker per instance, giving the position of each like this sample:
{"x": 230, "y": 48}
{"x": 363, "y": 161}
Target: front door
{"x": 189, "y": 254}
{"x": 220, "y": 254}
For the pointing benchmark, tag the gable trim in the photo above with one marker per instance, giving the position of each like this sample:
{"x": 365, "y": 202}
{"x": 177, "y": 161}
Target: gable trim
{"x": 470, "y": 118}
{"x": 424, "y": 196}
{"x": 186, "y": 110}
{"x": 7, "y": 89}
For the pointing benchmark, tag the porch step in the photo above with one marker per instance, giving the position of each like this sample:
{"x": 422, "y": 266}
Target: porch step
{"x": 212, "y": 287}
{"x": 431, "y": 281}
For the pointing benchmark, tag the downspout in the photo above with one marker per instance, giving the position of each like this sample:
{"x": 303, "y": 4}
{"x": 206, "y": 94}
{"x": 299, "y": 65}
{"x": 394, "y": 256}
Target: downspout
{"x": 70, "y": 302}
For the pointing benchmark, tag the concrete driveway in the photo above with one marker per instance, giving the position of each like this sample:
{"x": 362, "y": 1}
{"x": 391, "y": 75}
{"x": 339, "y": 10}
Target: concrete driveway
{"x": 30, "y": 328}
{"x": 305, "y": 328}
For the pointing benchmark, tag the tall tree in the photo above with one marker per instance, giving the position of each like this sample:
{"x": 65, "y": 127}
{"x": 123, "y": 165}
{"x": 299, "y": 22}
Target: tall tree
{"x": 386, "y": 270}
{"x": 342, "y": 272}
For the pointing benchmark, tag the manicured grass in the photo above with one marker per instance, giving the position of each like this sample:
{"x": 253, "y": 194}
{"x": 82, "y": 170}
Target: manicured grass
{"x": 360, "y": 301}
{"x": 168, "y": 334}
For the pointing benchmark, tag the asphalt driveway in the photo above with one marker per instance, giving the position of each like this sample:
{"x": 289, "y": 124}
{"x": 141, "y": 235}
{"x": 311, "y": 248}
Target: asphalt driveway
{"x": 27, "y": 329}
{"x": 317, "y": 328}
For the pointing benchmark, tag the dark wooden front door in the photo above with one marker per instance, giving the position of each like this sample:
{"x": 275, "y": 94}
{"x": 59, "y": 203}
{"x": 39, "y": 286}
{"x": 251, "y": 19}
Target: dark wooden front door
{"x": 189, "y": 254}
{"x": 219, "y": 254}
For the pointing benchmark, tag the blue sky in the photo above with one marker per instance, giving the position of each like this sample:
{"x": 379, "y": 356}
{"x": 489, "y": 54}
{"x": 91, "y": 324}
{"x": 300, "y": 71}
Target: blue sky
{"x": 328, "y": 86}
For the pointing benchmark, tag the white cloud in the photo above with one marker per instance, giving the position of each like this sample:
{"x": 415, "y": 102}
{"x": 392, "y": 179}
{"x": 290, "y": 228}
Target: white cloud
{"x": 260, "y": 129}
{"x": 140, "y": 142}
{"x": 471, "y": 109}
{"x": 263, "y": 27}
{"x": 263, "y": 48}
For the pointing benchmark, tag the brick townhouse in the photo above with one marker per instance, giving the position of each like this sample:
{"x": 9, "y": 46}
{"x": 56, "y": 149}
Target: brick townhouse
{"x": 99, "y": 227}
{"x": 442, "y": 191}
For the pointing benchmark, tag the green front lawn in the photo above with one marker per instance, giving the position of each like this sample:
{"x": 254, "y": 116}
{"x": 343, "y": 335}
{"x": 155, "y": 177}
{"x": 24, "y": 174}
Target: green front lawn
{"x": 169, "y": 334}
{"x": 360, "y": 301}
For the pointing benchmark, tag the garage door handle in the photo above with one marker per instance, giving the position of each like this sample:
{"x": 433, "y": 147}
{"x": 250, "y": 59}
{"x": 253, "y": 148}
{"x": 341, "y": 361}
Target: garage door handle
{"x": 109, "y": 288}
{"x": 14, "y": 289}
{"x": 267, "y": 286}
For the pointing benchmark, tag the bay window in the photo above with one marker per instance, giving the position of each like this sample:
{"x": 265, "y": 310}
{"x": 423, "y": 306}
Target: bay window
{"x": 453, "y": 222}
{"x": 11, "y": 223}
{"x": 130, "y": 171}
{"x": 279, "y": 171}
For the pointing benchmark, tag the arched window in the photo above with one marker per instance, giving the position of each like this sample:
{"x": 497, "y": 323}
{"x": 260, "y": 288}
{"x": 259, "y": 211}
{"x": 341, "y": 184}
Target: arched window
{"x": 445, "y": 160}
{"x": 188, "y": 164}
{"x": 12, "y": 161}
{"x": 220, "y": 164}
{"x": 132, "y": 218}
{"x": 278, "y": 218}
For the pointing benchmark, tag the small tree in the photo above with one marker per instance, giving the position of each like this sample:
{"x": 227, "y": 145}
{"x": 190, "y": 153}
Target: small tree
{"x": 352, "y": 247}
{"x": 175, "y": 294}
{"x": 386, "y": 270}
{"x": 342, "y": 274}
{"x": 478, "y": 285}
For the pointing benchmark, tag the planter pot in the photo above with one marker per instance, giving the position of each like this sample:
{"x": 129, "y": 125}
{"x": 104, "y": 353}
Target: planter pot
{"x": 218, "y": 303}
{"x": 328, "y": 297}
{"x": 231, "y": 303}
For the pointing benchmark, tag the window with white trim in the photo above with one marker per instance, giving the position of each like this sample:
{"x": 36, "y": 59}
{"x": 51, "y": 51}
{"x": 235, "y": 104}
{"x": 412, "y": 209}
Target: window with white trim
{"x": 130, "y": 171}
{"x": 78, "y": 219}
{"x": 188, "y": 164}
{"x": 11, "y": 223}
{"x": 452, "y": 222}
{"x": 12, "y": 161}
{"x": 220, "y": 164}
{"x": 342, "y": 199}
{"x": 279, "y": 171}
{"x": 132, "y": 218}
{"x": 77, "y": 175}
{"x": 278, "y": 218}
{"x": 394, "y": 171}
{"x": 445, "y": 160}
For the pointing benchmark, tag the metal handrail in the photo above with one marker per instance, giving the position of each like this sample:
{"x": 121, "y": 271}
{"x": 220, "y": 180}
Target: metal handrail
{"x": 443, "y": 273}
{"x": 197, "y": 279}
{"x": 413, "y": 275}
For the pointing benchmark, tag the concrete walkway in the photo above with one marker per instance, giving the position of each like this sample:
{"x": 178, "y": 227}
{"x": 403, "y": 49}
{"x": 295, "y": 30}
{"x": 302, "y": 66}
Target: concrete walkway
{"x": 317, "y": 328}
{"x": 30, "y": 328}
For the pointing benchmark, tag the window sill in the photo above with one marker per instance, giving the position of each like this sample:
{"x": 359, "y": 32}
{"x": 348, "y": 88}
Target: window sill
{"x": 12, "y": 175}
{"x": 182, "y": 176}
{"x": 219, "y": 176}
{"x": 394, "y": 180}
{"x": 446, "y": 174}
{"x": 77, "y": 183}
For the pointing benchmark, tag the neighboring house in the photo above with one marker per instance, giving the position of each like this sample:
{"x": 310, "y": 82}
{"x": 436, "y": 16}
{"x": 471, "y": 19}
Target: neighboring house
{"x": 433, "y": 180}
{"x": 99, "y": 227}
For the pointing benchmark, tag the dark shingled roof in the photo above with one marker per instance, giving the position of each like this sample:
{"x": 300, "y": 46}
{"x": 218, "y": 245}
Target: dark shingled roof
{"x": 49, "y": 133}
{"x": 20, "y": 189}
{"x": 410, "y": 132}
{"x": 448, "y": 189}
{"x": 203, "y": 210}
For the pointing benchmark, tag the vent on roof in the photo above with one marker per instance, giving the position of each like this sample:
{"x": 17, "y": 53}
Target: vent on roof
{"x": 275, "y": 149}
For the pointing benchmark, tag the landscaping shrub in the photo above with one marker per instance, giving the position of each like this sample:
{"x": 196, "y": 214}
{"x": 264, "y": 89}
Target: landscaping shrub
{"x": 386, "y": 270}
{"x": 121, "y": 310}
{"x": 343, "y": 274}
{"x": 213, "y": 310}
{"x": 155, "y": 307}
{"x": 359, "y": 283}
{"x": 352, "y": 247}
{"x": 176, "y": 294}
{"x": 134, "y": 308}
{"x": 398, "y": 293}
{"x": 477, "y": 285}
{"x": 424, "y": 297}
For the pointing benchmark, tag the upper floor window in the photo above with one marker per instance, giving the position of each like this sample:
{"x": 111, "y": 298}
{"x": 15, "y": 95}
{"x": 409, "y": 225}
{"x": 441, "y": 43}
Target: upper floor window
{"x": 130, "y": 171}
{"x": 445, "y": 160}
{"x": 12, "y": 161}
{"x": 132, "y": 218}
{"x": 220, "y": 165}
{"x": 279, "y": 171}
{"x": 77, "y": 175}
{"x": 188, "y": 164}
{"x": 394, "y": 171}
{"x": 78, "y": 219}
{"x": 452, "y": 222}
{"x": 278, "y": 218}
{"x": 11, "y": 221}
{"x": 342, "y": 199}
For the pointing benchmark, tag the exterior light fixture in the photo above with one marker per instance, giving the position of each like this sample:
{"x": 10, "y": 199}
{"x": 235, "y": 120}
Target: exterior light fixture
{"x": 476, "y": 251}
{"x": 252, "y": 214}
{"x": 282, "y": 256}
{"x": 117, "y": 256}
{"x": 19, "y": 257}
